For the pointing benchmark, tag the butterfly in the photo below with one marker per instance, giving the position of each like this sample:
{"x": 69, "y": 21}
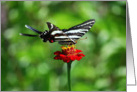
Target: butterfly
{"x": 64, "y": 36}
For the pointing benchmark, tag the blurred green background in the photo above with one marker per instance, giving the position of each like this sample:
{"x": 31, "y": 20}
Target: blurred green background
{"x": 27, "y": 64}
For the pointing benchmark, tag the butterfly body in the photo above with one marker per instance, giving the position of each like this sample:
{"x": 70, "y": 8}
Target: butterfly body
{"x": 47, "y": 37}
{"x": 64, "y": 36}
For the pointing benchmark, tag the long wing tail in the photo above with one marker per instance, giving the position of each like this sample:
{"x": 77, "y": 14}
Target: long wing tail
{"x": 69, "y": 38}
{"x": 29, "y": 35}
{"x": 33, "y": 29}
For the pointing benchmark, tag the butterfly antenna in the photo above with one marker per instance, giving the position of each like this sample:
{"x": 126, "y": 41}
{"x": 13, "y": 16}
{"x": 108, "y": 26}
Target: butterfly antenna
{"x": 28, "y": 35}
{"x": 33, "y": 29}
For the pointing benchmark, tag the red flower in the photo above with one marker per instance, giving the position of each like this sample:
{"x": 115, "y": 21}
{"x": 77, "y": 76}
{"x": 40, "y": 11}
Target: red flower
{"x": 69, "y": 54}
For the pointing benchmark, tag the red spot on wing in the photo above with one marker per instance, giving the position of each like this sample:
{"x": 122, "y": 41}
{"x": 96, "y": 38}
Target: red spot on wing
{"x": 52, "y": 41}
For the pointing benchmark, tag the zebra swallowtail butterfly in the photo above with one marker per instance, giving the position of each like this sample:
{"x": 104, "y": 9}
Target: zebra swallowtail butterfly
{"x": 64, "y": 36}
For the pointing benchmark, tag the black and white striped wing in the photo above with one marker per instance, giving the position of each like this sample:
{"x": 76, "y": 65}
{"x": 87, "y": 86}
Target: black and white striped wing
{"x": 78, "y": 31}
{"x": 81, "y": 29}
{"x": 58, "y": 34}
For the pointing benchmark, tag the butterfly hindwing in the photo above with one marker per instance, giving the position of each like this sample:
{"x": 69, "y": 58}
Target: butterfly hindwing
{"x": 29, "y": 27}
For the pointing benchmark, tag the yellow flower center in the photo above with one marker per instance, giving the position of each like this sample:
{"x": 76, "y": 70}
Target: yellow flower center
{"x": 68, "y": 47}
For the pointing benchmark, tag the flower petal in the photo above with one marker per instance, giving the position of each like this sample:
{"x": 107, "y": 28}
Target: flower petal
{"x": 72, "y": 57}
{"x": 81, "y": 54}
{"x": 57, "y": 53}
{"x": 62, "y": 55}
{"x": 79, "y": 58}
{"x": 78, "y": 51}
{"x": 57, "y": 57}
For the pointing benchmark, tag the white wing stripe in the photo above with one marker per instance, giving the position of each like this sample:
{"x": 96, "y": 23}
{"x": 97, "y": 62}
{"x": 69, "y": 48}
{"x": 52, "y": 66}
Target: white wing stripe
{"x": 88, "y": 23}
{"x": 77, "y": 31}
{"x": 55, "y": 32}
{"x": 51, "y": 26}
{"x": 74, "y": 32}
{"x": 67, "y": 37}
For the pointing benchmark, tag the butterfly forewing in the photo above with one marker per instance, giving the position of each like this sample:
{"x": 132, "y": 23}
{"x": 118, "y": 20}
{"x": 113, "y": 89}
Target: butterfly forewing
{"x": 76, "y": 32}
{"x": 85, "y": 25}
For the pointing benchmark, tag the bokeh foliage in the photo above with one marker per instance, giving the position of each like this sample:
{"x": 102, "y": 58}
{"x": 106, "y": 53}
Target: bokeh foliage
{"x": 27, "y": 64}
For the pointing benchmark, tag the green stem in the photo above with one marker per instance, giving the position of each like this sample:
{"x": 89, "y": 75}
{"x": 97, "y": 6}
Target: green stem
{"x": 69, "y": 81}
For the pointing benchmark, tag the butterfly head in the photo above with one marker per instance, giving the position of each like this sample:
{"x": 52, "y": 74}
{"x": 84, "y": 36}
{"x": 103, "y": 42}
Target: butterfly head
{"x": 44, "y": 35}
